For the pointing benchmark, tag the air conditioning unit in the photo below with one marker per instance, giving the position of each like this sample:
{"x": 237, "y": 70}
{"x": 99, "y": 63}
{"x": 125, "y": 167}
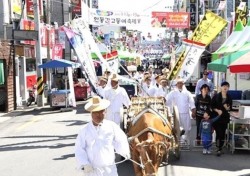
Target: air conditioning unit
{"x": 244, "y": 112}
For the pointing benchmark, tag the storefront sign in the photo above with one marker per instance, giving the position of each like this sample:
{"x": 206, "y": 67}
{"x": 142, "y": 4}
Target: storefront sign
{"x": 57, "y": 51}
{"x": 44, "y": 36}
{"x": 27, "y": 25}
{"x": 76, "y": 8}
{"x": 193, "y": 13}
{"x": 30, "y": 7}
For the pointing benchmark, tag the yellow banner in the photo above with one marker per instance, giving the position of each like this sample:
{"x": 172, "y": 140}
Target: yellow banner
{"x": 210, "y": 26}
{"x": 207, "y": 30}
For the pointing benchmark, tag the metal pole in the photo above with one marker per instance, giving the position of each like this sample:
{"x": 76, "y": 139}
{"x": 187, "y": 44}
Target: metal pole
{"x": 40, "y": 101}
{"x": 48, "y": 71}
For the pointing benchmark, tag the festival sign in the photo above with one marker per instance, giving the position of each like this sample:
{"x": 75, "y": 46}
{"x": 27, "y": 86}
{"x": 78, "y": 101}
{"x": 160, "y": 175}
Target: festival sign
{"x": 241, "y": 11}
{"x": 118, "y": 18}
{"x": 178, "y": 19}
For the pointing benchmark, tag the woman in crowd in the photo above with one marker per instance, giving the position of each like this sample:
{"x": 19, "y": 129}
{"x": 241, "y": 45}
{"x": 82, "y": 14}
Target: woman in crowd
{"x": 221, "y": 101}
{"x": 202, "y": 103}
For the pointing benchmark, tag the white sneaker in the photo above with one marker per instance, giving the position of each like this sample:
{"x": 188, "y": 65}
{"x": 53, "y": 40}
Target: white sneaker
{"x": 209, "y": 151}
{"x": 204, "y": 151}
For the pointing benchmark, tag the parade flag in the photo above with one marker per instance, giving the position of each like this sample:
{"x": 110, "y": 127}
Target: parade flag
{"x": 192, "y": 55}
{"x": 209, "y": 27}
{"x": 83, "y": 54}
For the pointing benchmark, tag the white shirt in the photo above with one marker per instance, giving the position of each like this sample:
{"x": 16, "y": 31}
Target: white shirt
{"x": 183, "y": 100}
{"x": 117, "y": 97}
{"x": 101, "y": 90}
{"x": 95, "y": 146}
{"x": 148, "y": 91}
{"x": 162, "y": 91}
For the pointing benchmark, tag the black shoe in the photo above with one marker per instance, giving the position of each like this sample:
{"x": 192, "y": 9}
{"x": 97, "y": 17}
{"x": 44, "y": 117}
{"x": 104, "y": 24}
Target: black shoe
{"x": 182, "y": 132}
{"x": 218, "y": 153}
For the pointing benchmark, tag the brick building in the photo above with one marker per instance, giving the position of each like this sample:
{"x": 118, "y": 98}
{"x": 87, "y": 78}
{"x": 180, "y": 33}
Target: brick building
{"x": 6, "y": 77}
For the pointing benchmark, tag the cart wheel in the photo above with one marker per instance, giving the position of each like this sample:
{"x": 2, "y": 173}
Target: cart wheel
{"x": 176, "y": 133}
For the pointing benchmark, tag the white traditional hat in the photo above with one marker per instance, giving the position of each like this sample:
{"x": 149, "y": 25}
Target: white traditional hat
{"x": 114, "y": 77}
{"x": 96, "y": 104}
{"x": 179, "y": 80}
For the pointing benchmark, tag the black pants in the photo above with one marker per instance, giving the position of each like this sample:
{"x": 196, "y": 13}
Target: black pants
{"x": 198, "y": 123}
{"x": 220, "y": 129}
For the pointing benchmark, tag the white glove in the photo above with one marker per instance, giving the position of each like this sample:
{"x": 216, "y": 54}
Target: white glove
{"x": 88, "y": 168}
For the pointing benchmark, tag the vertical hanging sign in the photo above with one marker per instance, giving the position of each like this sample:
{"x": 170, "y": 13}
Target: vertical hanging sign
{"x": 76, "y": 8}
{"x": 241, "y": 11}
{"x": 30, "y": 7}
{"x": 193, "y": 9}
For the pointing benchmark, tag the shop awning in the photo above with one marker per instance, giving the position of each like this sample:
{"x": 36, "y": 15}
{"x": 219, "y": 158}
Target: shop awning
{"x": 221, "y": 65}
{"x": 241, "y": 65}
{"x": 59, "y": 63}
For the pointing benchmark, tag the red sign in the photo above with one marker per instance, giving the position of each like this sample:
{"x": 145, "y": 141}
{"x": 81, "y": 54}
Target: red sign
{"x": 170, "y": 19}
{"x": 27, "y": 25}
{"x": 44, "y": 36}
{"x": 30, "y": 7}
{"x": 178, "y": 19}
{"x": 57, "y": 52}
{"x": 77, "y": 8}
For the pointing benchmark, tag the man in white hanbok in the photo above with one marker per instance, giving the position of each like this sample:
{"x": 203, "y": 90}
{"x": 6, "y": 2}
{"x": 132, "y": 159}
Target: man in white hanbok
{"x": 147, "y": 89}
{"x": 163, "y": 88}
{"x": 118, "y": 97}
{"x": 98, "y": 141}
{"x": 184, "y": 101}
{"x": 102, "y": 86}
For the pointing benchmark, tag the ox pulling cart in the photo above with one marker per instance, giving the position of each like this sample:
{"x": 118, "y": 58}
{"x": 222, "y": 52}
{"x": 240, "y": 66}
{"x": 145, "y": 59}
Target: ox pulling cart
{"x": 153, "y": 133}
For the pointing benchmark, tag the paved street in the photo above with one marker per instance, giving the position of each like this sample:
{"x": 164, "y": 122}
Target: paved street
{"x": 41, "y": 142}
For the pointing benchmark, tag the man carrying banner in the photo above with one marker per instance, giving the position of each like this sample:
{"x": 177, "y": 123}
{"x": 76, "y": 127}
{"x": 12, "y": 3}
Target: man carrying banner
{"x": 118, "y": 97}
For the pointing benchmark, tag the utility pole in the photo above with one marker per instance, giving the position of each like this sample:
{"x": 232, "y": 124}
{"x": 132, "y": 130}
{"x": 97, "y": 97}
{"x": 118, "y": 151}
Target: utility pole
{"x": 48, "y": 14}
{"x": 40, "y": 101}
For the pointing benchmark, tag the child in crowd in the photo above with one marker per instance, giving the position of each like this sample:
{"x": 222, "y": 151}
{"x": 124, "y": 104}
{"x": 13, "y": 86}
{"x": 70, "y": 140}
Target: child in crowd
{"x": 206, "y": 130}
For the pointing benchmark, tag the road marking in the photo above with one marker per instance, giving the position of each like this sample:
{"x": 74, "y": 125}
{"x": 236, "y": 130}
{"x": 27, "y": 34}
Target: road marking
{"x": 33, "y": 120}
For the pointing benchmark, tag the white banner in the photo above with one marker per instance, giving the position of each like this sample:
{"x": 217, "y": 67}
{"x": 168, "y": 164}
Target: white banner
{"x": 83, "y": 54}
{"x": 118, "y": 18}
{"x": 113, "y": 65}
{"x": 192, "y": 55}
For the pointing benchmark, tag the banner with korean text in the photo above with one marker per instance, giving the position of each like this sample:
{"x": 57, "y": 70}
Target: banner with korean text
{"x": 170, "y": 19}
{"x": 192, "y": 55}
{"x": 117, "y": 18}
{"x": 83, "y": 54}
{"x": 210, "y": 26}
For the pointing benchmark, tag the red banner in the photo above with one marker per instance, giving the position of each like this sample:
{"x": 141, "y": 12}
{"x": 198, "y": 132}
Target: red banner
{"x": 57, "y": 52}
{"x": 28, "y": 25}
{"x": 30, "y": 7}
{"x": 178, "y": 19}
{"x": 76, "y": 8}
{"x": 44, "y": 36}
{"x": 170, "y": 19}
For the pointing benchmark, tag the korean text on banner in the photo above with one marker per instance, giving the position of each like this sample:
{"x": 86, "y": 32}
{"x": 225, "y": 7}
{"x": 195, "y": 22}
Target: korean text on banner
{"x": 192, "y": 55}
{"x": 117, "y": 18}
{"x": 83, "y": 55}
{"x": 209, "y": 27}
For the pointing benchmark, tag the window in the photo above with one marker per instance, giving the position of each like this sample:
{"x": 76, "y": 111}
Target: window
{"x": 30, "y": 65}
